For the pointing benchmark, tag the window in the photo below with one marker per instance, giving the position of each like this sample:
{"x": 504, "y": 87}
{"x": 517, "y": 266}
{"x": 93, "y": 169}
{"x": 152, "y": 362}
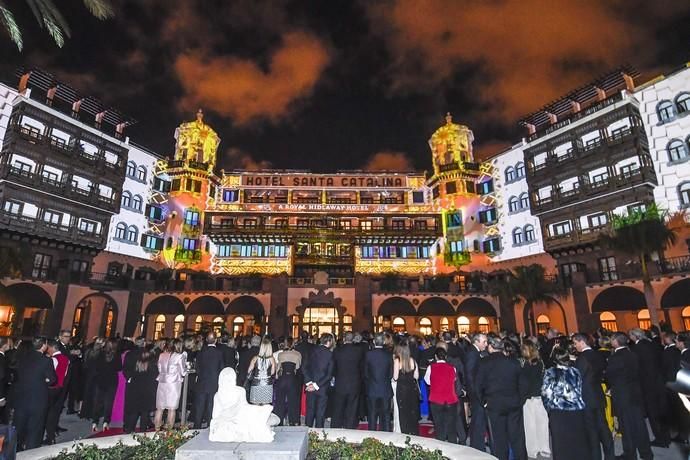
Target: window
{"x": 224, "y": 250}
{"x": 137, "y": 202}
{"x": 636, "y": 208}
{"x": 488, "y": 216}
{"x": 517, "y": 236}
{"x": 87, "y": 226}
{"x": 683, "y": 102}
{"x": 198, "y": 322}
{"x": 126, "y": 199}
{"x": 52, "y": 217}
{"x": 492, "y": 245}
{"x": 684, "y": 194}
{"x": 676, "y": 150}
{"x": 363, "y": 225}
{"x": 598, "y": 220}
{"x": 161, "y": 185}
{"x": 665, "y": 111}
{"x": 176, "y": 185}
{"x": 524, "y": 201}
{"x": 418, "y": 197}
{"x": 398, "y": 324}
{"x": 445, "y": 325}
{"x": 178, "y": 326}
{"x": 131, "y": 169}
{"x": 463, "y": 324}
{"x": 230, "y": 195}
{"x": 520, "y": 170}
{"x": 567, "y": 271}
{"x": 608, "y": 321}
{"x": 513, "y": 204}
{"x": 13, "y": 207}
{"x": 154, "y": 212}
{"x": 483, "y": 325}
{"x": 543, "y": 324}
{"x": 159, "y": 327}
{"x": 600, "y": 178}
{"x": 529, "y": 233}
{"x": 120, "y": 231}
{"x": 451, "y": 187}
{"x": 190, "y": 244}
{"x": 453, "y": 219}
{"x": 192, "y": 185}
{"x": 607, "y": 268}
{"x": 79, "y": 266}
{"x": 425, "y": 326}
{"x": 643, "y": 320}
{"x": 470, "y": 187}
{"x": 152, "y": 242}
{"x": 217, "y": 325}
{"x": 41, "y": 266}
{"x": 485, "y": 187}
{"x": 191, "y": 217}
{"x": 141, "y": 173}
{"x": 686, "y": 318}
{"x": 561, "y": 228}
{"x": 510, "y": 174}
{"x": 132, "y": 234}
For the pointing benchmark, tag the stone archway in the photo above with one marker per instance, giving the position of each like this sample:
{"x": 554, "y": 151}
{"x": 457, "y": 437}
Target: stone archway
{"x": 321, "y": 312}
{"x": 95, "y": 315}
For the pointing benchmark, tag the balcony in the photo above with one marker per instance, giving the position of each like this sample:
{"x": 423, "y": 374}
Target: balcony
{"x": 574, "y": 238}
{"x": 322, "y": 259}
{"x": 309, "y": 281}
{"x": 188, "y": 255}
{"x": 191, "y": 164}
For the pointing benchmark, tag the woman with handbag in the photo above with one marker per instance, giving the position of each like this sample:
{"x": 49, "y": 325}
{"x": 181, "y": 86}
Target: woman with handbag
{"x": 261, "y": 372}
{"x": 405, "y": 378}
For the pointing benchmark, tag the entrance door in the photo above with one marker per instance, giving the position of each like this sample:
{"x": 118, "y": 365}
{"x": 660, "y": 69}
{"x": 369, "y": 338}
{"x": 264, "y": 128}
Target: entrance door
{"x": 320, "y": 320}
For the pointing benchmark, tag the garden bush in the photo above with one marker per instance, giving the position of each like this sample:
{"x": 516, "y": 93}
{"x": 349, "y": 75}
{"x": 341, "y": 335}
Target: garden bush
{"x": 369, "y": 449}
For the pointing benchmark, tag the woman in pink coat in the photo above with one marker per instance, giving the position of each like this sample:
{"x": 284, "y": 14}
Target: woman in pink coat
{"x": 172, "y": 368}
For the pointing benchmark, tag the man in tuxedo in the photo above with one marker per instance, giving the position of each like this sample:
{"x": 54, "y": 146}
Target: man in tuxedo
{"x": 378, "y": 373}
{"x": 230, "y": 355}
{"x": 677, "y": 415}
{"x": 58, "y": 391}
{"x": 649, "y": 358}
{"x": 683, "y": 344}
{"x": 317, "y": 377}
{"x": 623, "y": 377}
{"x": 35, "y": 374}
{"x": 498, "y": 384}
{"x": 209, "y": 363}
{"x": 592, "y": 366}
{"x": 478, "y": 427}
{"x": 348, "y": 361}
{"x": 246, "y": 356}
{"x": 552, "y": 336}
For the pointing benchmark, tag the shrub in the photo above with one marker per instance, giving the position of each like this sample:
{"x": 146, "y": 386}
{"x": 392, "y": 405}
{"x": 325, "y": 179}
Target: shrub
{"x": 370, "y": 448}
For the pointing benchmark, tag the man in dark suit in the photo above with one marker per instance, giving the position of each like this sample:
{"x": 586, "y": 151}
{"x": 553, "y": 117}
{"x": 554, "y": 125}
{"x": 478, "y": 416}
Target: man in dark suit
{"x": 378, "y": 373}
{"x": 683, "y": 344}
{"x": 592, "y": 366}
{"x": 209, "y": 363}
{"x": 317, "y": 377}
{"x": 35, "y": 373}
{"x": 246, "y": 356}
{"x": 230, "y": 355}
{"x": 498, "y": 385}
{"x": 349, "y": 360}
{"x": 649, "y": 357}
{"x": 622, "y": 375}
{"x": 478, "y": 427}
{"x": 677, "y": 415}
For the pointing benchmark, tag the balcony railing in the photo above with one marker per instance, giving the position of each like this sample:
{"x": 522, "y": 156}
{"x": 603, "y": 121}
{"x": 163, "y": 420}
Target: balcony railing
{"x": 39, "y": 227}
{"x": 312, "y": 228}
{"x": 299, "y": 281}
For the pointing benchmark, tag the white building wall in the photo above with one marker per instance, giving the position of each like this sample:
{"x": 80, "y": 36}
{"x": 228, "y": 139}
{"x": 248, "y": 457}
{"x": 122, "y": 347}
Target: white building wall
{"x": 129, "y": 215}
{"x": 670, "y": 174}
{"x": 7, "y": 95}
{"x": 508, "y": 221}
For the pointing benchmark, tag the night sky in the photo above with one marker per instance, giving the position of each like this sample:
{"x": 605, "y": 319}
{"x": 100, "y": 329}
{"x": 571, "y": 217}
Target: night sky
{"x": 334, "y": 84}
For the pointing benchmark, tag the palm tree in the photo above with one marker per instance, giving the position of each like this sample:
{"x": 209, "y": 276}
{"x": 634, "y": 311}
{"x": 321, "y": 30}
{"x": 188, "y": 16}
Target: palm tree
{"x": 642, "y": 233}
{"x": 49, "y": 17}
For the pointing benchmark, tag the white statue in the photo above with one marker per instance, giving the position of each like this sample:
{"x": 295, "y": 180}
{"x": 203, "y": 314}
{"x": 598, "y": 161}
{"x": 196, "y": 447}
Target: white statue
{"x": 234, "y": 419}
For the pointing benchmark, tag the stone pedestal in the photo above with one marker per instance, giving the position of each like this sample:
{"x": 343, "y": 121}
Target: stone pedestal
{"x": 290, "y": 443}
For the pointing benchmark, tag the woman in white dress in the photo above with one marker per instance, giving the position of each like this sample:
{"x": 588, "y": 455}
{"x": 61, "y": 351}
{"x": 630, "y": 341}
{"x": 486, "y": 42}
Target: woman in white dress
{"x": 262, "y": 370}
{"x": 172, "y": 368}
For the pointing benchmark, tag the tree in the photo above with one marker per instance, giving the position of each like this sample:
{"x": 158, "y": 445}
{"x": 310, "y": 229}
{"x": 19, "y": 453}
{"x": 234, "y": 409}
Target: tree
{"x": 49, "y": 17}
{"x": 528, "y": 283}
{"x": 641, "y": 233}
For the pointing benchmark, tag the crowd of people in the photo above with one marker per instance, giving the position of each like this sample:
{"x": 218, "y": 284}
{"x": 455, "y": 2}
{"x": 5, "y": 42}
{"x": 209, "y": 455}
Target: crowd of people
{"x": 522, "y": 397}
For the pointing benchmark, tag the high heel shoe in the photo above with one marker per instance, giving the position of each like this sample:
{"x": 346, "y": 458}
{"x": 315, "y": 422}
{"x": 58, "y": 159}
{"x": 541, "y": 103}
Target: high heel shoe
{"x": 94, "y": 428}
{"x": 105, "y": 427}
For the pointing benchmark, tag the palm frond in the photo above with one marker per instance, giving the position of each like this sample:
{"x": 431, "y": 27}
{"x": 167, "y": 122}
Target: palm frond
{"x": 102, "y": 9}
{"x": 48, "y": 16}
{"x": 10, "y": 25}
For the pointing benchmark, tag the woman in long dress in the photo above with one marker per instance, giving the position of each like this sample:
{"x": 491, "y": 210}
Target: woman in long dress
{"x": 140, "y": 397}
{"x": 533, "y": 413}
{"x": 405, "y": 377}
{"x": 261, "y": 372}
{"x": 108, "y": 364}
{"x": 172, "y": 368}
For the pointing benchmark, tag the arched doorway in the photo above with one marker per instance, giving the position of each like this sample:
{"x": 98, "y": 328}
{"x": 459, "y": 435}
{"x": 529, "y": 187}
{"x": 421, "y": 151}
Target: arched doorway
{"x": 425, "y": 326}
{"x": 318, "y": 320}
{"x": 608, "y": 321}
{"x": 399, "y": 324}
{"x": 480, "y": 312}
{"x": 463, "y": 323}
{"x": 483, "y": 324}
{"x": 238, "y": 326}
{"x": 543, "y": 324}
{"x": 95, "y": 315}
{"x": 159, "y": 327}
{"x": 686, "y": 318}
{"x": 643, "y": 319}
{"x": 394, "y": 307}
{"x": 170, "y": 307}
{"x": 251, "y": 310}
{"x": 31, "y": 304}
{"x": 210, "y": 309}
{"x": 625, "y": 301}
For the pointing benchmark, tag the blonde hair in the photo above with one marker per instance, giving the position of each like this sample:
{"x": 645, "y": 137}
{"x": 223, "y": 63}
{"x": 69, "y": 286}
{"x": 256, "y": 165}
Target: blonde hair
{"x": 530, "y": 352}
{"x": 266, "y": 349}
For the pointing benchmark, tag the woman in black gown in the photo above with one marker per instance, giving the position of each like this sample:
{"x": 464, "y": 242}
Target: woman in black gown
{"x": 140, "y": 396}
{"x": 406, "y": 375}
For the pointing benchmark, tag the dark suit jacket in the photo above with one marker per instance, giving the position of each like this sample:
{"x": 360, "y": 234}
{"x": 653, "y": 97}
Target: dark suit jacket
{"x": 229, "y": 356}
{"x": 592, "y": 366}
{"x": 209, "y": 363}
{"x": 319, "y": 368}
{"x": 472, "y": 360}
{"x": 378, "y": 372}
{"x": 305, "y": 349}
{"x": 685, "y": 359}
{"x": 499, "y": 383}
{"x": 4, "y": 375}
{"x": 649, "y": 358}
{"x": 348, "y": 360}
{"x": 130, "y": 363}
{"x": 670, "y": 363}
{"x": 35, "y": 373}
{"x": 623, "y": 377}
{"x": 246, "y": 356}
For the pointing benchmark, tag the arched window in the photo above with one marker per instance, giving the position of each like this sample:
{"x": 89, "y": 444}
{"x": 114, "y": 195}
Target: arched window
{"x": 483, "y": 325}
{"x": 121, "y": 231}
{"x": 608, "y": 321}
{"x": 141, "y": 173}
{"x": 159, "y": 327}
{"x": 686, "y": 318}
{"x": 683, "y": 102}
{"x": 137, "y": 200}
{"x": 132, "y": 233}
{"x": 398, "y": 324}
{"x": 643, "y": 320}
{"x": 513, "y": 204}
{"x": 109, "y": 322}
{"x": 529, "y": 233}
{"x": 677, "y": 150}
{"x": 198, "y": 323}
{"x": 178, "y": 327}
{"x": 665, "y": 110}
{"x": 543, "y": 324}
{"x": 347, "y": 323}
{"x": 238, "y": 325}
{"x": 510, "y": 174}
{"x": 684, "y": 193}
{"x": 520, "y": 170}
{"x": 463, "y": 323}
{"x": 131, "y": 169}
{"x": 517, "y": 236}
{"x": 425, "y": 326}
{"x": 126, "y": 199}
{"x": 445, "y": 324}
{"x": 217, "y": 325}
{"x": 524, "y": 201}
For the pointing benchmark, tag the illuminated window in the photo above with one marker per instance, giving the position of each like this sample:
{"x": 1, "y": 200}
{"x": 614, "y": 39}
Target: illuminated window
{"x": 109, "y": 322}
{"x": 463, "y": 323}
{"x": 483, "y": 325}
{"x": 608, "y": 321}
{"x": 318, "y": 320}
{"x": 178, "y": 327}
{"x": 77, "y": 322}
{"x": 159, "y": 327}
{"x": 643, "y": 320}
{"x": 191, "y": 217}
{"x": 347, "y": 323}
{"x": 198, "y": 323}
{"x": 445, "y": 324}
{"x": 217, "y": 325}
{"x": 425, "y": 326}
{"x": 543, "y": 324}
{"x": 378, "y": 324}
{"x": 398, "y": 324}
{"x": 686, "y": 318}
{"x": 295, "y": 326}
{"x": 238, "y": 326}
